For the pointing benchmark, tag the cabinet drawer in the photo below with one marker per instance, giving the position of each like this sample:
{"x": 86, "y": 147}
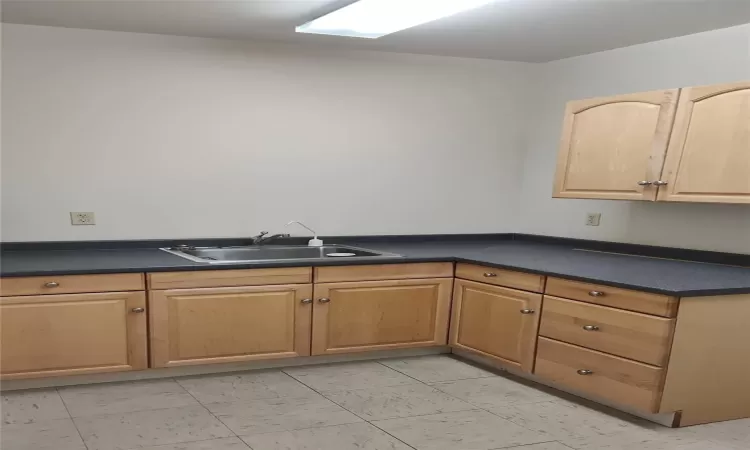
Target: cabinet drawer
{"x": 71, "y": 284}
{"x": 659, "y": 305}
{"x": 500, "y": 277}
{"x": 609, "y": 377}
{"x": 623, "y": 333}
{"x": 383, "y": 272}
{"x": 229, "y": 278}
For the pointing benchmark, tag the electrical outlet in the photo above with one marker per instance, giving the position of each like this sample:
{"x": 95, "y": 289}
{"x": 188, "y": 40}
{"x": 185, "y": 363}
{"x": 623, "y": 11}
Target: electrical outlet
{"x": 82, "y": 218}
{"x": 592, "y": 219}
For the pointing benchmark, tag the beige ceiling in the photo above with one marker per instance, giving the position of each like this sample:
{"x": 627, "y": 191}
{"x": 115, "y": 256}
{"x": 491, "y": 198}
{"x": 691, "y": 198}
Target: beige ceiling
{"x": 517, "y": 30}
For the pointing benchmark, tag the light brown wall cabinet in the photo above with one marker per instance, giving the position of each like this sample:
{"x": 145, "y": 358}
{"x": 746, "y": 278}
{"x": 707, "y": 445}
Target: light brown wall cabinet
{"x": 648, "y": 146}
{"x": 380, "y": 315}
{"x": 72, "y": 334}
{"x": 496, "y": 322}
{"x": 229, "y": 324}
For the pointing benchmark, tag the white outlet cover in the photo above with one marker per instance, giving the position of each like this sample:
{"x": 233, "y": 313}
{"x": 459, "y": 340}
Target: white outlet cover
{"x": 82, "y": 218}
{"x": 593, "y": 219}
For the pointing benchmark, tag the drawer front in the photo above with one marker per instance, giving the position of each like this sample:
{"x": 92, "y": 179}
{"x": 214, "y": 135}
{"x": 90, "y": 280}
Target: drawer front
{"x": 500, "y": 277}
{"x": 622, "y": 333}
{"x": 383, "y": 272}
{"x": 659, "y": 305}
{"x": 229, "y": 278}
{"x": 71, "y": 284}
{"x": 609, "y": 377}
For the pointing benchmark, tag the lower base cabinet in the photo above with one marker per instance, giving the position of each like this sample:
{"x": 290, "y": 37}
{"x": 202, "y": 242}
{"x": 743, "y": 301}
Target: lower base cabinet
{"x": 616, "y": 379}
{"x": 72, "y": 334}
{"x": 496, "y": 322}
{"x": 380, "y": 315}
{"x": 233, "y": 324}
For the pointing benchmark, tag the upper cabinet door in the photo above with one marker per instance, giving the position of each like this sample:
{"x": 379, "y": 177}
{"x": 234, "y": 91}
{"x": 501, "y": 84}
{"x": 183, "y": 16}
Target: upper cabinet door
{"x": 709, "y": 152}
{"x": 610, "y": 145}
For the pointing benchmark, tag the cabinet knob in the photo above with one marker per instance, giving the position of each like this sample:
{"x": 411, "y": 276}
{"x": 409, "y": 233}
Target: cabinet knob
{"x": 51, "y": 284}
{"x": 645, "y": 183}
{"x": 584, "y": 372}
{"x": 660, "y": 183}
{"x": 527, "y": 311}
{"x": 138, "y": 310}
{"x": 306, "y": 301}
{"x": 591, "y": 328}
{"x": 490, "y": 274}
{"x": 596, "y": 293}
{"x": 324, "y": 300}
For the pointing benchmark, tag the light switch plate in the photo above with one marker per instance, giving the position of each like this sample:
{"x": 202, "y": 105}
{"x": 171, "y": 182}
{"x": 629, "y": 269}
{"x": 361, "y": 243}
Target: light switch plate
{"x": 593, "y": 219}
{"x": 82, "y": 218}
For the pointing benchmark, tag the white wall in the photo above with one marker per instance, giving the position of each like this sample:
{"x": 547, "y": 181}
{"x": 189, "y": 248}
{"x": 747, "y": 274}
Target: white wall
{"x": 184, "y": 137}
{"x": 167, "y": 136}
{"x": 713, "y": 57}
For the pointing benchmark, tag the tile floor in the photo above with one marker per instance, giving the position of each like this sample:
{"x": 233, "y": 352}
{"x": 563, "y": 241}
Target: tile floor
{"x": 424, "y": 403}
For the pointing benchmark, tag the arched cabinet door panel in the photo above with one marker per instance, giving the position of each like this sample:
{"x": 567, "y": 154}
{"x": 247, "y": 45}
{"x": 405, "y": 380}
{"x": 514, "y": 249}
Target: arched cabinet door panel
{"x": 610, "y": 146}
{"x": 709, "y": 152}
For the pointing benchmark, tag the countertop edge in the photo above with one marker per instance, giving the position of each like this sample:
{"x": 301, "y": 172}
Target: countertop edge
{"x": 394, "y": 260}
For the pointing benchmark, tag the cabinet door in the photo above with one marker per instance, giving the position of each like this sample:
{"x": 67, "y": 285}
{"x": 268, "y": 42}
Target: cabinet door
{"x": 496, "y": 322}
{"x": 380, "y": 315}
{"x": 610, "y": 144}
{"x": 221, "y": 325}
{"x": 709, "y": 152}
{"x": 71, "y": 334}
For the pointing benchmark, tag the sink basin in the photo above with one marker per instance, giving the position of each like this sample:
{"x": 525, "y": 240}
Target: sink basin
{"x": 229, "y": 255}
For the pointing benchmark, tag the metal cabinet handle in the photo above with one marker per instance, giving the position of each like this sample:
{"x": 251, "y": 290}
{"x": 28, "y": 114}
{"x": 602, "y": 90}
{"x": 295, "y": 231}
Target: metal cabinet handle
{"x": 527, "y": 311}
{"x": 596, "y": 293}
{"x": 645, "y": 183}
{"x": 138, "y": 310}
{"x": 324, "y": 300}
{"x": 660, "y": 183}
{"x": 490, "y": 274}
{"x": 306, "y": 301}
{"x": 591, "y": 328}
{"x": 51, "y": 284}
{"x": 584, "y": 372}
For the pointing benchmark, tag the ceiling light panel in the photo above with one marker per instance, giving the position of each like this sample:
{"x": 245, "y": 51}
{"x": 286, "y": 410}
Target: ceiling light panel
{"x": 375, "y": 18}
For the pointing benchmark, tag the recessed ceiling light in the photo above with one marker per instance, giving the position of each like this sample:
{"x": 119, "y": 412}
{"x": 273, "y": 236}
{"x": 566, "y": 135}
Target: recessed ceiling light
{"x": 375, "y": 18}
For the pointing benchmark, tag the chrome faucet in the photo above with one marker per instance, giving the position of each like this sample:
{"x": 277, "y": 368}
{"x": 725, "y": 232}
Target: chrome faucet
{"x": 263, "y": 237}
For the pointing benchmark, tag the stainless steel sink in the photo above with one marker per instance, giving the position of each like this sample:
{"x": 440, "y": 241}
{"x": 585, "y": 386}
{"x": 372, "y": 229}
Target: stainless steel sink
{"x": 230, "y": 255}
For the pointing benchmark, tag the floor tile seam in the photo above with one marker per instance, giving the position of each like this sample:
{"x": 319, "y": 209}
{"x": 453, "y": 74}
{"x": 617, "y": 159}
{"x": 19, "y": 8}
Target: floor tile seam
{"x": 482, "y": 407}
{"x": 521, "y": 447}
{"x": 299, "y": 429}
{"x": 473, "y": 409}
{"x": 373, "y": 389}
{"x": 524, "y": 427}
{"x": 249, "y": 401}
{"x": 352, "y": 412}
{"x": 134, "y": 410}
{"x": 335, "y": 403}
{"x": 190, "y": 442}
{"x": 208, "y": 411}
{"x": 510, "y": 404}
{"x": 428, "y": 383}
{"x": 396, "y": 370}
{"x": 402, "y": 373}
{"x": 393, "y": 436}
{"x": 263, "y": 397}
{"x": 317, "y": 428}
{"x": 86, "y": 416}
{"x": 70, "y": 417}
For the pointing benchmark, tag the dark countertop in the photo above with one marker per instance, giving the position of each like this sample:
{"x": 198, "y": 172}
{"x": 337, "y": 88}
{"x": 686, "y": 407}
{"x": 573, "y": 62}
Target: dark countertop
{"x": 663, "y": 276}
